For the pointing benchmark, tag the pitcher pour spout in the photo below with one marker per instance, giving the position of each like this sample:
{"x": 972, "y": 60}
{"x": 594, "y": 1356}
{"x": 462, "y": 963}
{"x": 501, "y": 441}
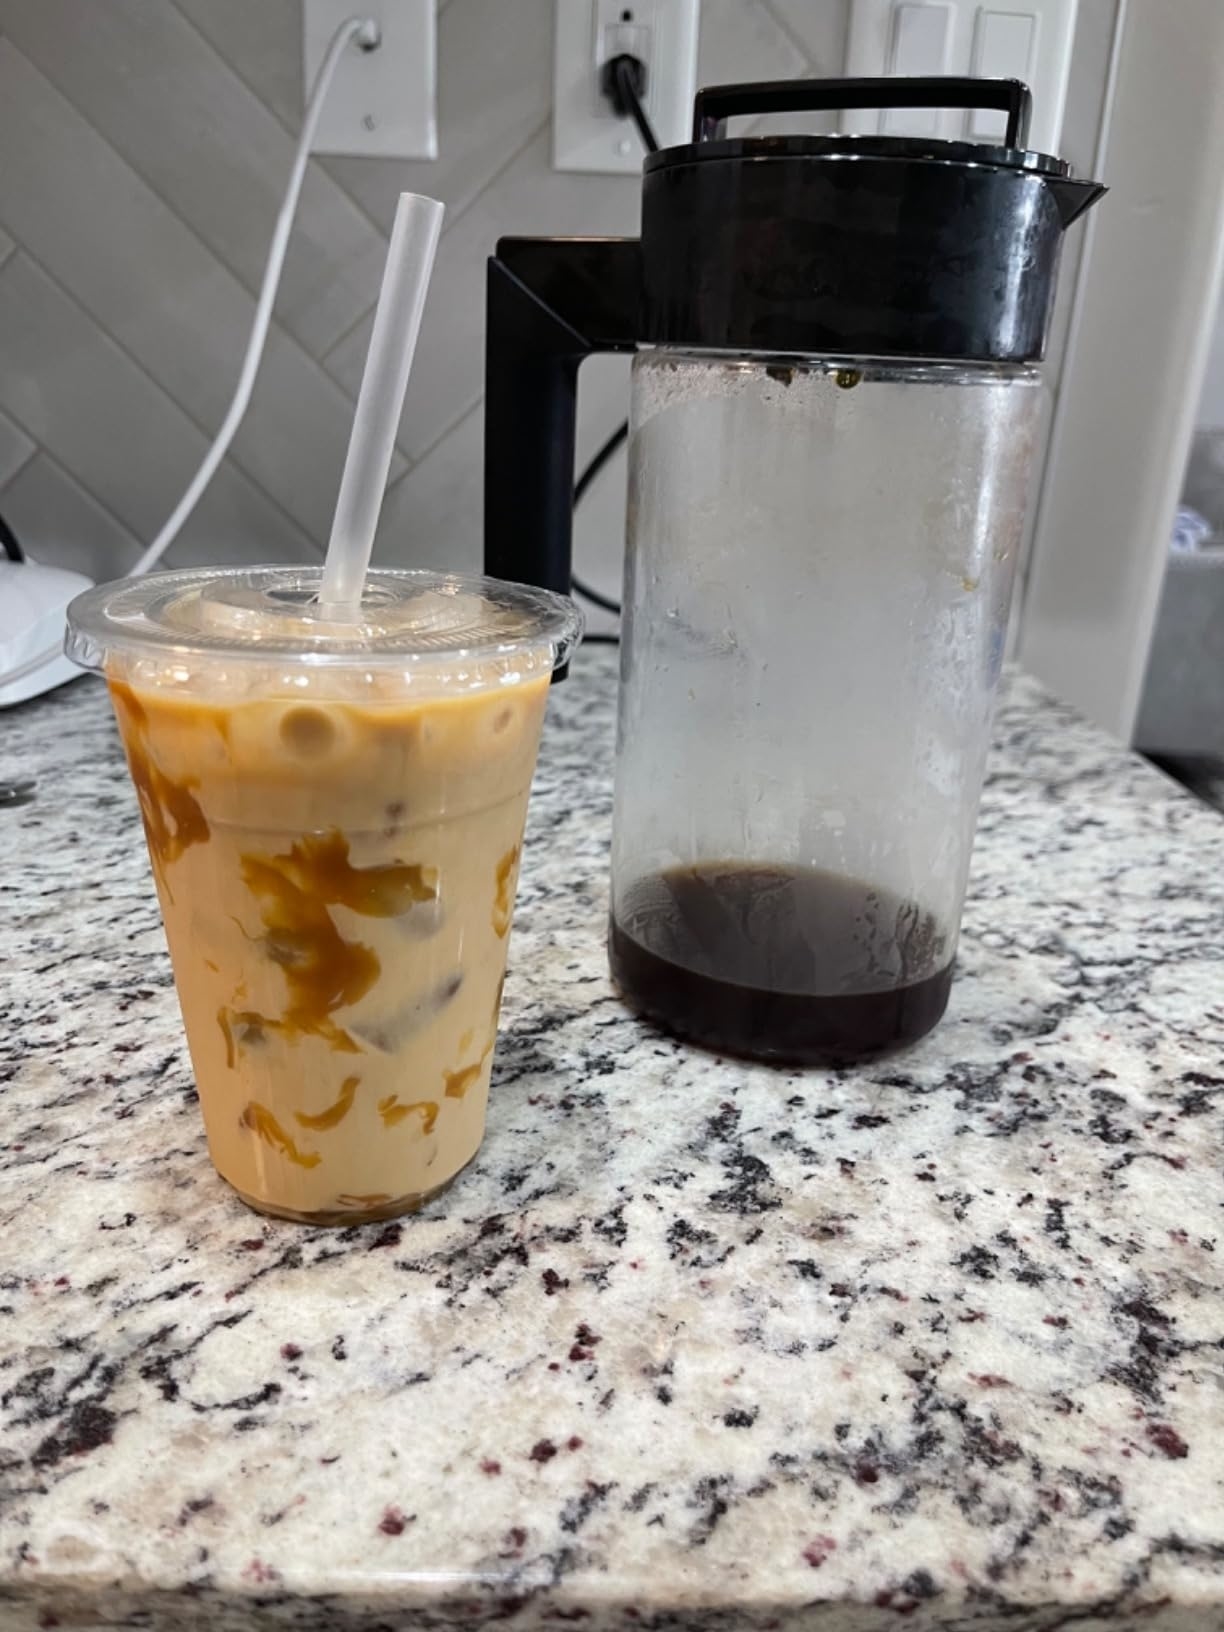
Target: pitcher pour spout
{"x": 1073, "y": 197}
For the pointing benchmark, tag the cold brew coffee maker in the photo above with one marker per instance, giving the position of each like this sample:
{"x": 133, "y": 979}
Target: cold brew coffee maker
{"x": 834, "y": 411}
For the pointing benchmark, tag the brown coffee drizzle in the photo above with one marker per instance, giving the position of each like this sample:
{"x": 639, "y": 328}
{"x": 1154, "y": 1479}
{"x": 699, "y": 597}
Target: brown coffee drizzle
{"x": 392, "y": 1112}
{"x": 323, "y": 971}
{"x": 227, "y": 1031}
{"x": 173, "y": 820}
{"x": 245, "y": 1028}
{"x": 260, "y": 1120}
{"x": 503, "y": 901}
{"x": 458, "y": 1082}
{"x": 318, "y": 865}
{"x": 334, "y": 1114}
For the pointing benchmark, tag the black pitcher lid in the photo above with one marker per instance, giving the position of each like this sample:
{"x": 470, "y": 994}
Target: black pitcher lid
{"x": 860, "y": 245}
{"x": 931, "y": 149}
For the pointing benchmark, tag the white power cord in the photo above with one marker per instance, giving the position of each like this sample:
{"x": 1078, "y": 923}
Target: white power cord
{"x": 366, "y": 32}
{"x": 267, "y": 294}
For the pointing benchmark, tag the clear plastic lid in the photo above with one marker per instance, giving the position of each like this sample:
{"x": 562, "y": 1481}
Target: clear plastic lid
{"x": 240, "y": 628}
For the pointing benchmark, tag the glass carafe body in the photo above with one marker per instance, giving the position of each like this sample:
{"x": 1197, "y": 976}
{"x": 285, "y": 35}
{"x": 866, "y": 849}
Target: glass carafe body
{"x": 820, "y": 556}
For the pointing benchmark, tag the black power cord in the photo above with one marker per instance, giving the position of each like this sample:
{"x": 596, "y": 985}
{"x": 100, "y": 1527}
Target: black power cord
{"x": 9, "y": 546}
{"x": 624, "y": 84}
{"x": 619, "y": 436}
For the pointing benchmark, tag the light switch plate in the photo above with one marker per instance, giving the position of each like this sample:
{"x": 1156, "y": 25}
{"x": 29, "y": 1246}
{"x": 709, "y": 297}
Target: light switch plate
{"x": 921, "y": 39}
{"x": 587, "y": 133}
{"x": 996, "y": 39}
{"x": 383, "y": 102}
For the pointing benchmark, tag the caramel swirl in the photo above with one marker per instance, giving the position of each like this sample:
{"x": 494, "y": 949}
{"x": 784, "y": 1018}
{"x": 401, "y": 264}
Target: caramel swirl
{"x": 334, "y": 1114}
{"x": 458, "y": 1082}
{"x": 323, "y": 971}
{"x": 173, "y": 820}
{"x": 503, "y": 900}
{"x": 392, "y": 1111}
{"x": 260, "y": 1120}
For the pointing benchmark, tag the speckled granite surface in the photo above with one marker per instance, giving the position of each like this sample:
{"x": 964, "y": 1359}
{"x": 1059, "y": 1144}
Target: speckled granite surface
{"x": 692, "y": 1343}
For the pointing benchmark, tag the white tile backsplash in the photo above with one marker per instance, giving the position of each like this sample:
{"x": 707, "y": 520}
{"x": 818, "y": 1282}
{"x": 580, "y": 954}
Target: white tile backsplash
{"x": 494, "y": 93}
{"x": 235, "y": 522}
{"x": 819, "y": 30}
{"x": 743, "y": 42}
{"x": 155, "y": 288}
{"x": 147, "y": 144}
{"x": 60, "y": 524}
{"x": 16, "y": 448}
{"x": 80, "y": 396}
{"x": 261, "y": 40}
{"x": 154, "y": 88}
{"x": 146, "y": 147}
{"x": 432, "y": 517}
{"x": 529, "y": 197}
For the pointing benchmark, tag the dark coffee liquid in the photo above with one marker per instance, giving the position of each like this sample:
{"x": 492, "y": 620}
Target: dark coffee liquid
{"x": 780, "y": 963}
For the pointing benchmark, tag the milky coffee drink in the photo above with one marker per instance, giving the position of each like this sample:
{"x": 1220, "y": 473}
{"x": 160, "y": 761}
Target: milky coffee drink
{"x": 334, "y": 813}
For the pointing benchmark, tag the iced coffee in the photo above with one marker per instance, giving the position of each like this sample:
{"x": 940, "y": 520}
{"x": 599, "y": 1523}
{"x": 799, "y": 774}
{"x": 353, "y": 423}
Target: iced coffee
{"x": 336, "y": 854}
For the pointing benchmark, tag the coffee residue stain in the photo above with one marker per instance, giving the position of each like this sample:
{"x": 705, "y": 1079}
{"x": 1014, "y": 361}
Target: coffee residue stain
{"x": 392, "y": 1112}
{"x": 334, "y": 1114}
{"x": 503, "y": 901}
{"x": 173, "y": 820}
{"x": 260, "y": 1120}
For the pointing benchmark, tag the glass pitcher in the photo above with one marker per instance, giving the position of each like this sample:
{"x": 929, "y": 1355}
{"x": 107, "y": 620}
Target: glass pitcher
{"x": 833, "y": 417}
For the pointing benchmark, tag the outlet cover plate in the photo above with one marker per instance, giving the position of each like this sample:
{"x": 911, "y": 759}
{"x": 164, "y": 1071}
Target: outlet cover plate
{"x": 587, "y": 133}
{"x": 382, "y": 103}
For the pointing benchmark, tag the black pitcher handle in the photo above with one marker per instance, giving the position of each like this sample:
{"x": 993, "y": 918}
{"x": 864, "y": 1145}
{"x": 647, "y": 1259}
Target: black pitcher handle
{"x": 718, "y": 103}
{"x": 551, "y": 302}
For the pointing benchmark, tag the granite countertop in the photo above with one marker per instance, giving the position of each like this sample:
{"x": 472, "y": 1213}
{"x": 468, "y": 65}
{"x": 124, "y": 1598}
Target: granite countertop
{"x": 693, "y": 1343}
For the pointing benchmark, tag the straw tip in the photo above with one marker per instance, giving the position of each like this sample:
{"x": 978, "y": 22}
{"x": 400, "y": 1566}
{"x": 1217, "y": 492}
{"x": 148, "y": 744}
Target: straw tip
{"x": 420, "y": 204}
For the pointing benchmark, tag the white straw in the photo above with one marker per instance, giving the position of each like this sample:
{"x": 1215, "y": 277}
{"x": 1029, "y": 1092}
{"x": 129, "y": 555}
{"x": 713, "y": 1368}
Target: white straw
{"x": 397, "y": 322}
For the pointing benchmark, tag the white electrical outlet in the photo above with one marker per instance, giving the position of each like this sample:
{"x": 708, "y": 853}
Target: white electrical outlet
{"x": 381, "y": 102}
{"x": 587, "y": 132}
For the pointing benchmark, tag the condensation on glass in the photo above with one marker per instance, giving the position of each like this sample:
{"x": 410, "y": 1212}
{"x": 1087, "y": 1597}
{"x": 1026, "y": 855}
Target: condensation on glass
{"x": 820, "y": 562}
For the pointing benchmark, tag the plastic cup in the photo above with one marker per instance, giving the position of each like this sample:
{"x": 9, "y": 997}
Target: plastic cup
{"x": 334, "y": 813}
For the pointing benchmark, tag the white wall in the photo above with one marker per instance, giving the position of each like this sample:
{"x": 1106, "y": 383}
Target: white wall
{"x": 146, "y": 145}
{"x": 1155, "y": 249}
{"x": 1210, "y": 416}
